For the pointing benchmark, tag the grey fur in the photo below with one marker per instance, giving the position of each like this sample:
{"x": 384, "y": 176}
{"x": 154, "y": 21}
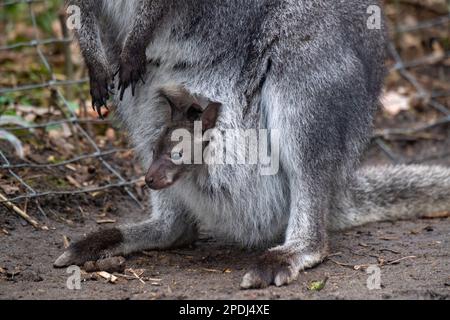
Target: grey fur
{"x": 107, "y": 45}
{"x": 314, "y": 71}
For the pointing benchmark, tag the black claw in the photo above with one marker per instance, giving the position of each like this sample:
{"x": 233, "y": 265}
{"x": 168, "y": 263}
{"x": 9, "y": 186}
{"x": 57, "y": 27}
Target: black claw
{"x": 142, "y": 78}
{"x": 100, "y": 91}
{"x": 130, "y": 73}
{"x": 99, "y": 111}
{"x": 116, "y": 73}
{"x": 122, "y": 92}
{"x": 133, "y": 88}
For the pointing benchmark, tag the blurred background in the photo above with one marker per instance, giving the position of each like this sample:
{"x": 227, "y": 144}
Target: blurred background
{"x": 59, "y": 162}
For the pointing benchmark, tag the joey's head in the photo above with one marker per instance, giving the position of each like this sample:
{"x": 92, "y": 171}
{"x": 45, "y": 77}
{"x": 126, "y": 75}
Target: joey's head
{"x": 173, "y": 155}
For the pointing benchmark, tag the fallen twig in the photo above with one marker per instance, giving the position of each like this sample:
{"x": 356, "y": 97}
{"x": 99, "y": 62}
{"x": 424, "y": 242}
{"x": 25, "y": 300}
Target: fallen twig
{"x": 106, "y": 221}
{"x": 389, "y": 238}
{"x": 400, "y": 260}
{"x": 74, "y": 182}
{"x": 66, "y": 242}
{"x": 19, "y": 211}
{"x": 212, "y": 270}
{"x": 347, "y": 265}
{"x": 361, "y": 267}
{"x": 389, "y": 250}
{"x": 136, "y": 275}
{"x": 437, "y": 215}
{"x": 334, "y": 254}
{"x": 127, "y": 277}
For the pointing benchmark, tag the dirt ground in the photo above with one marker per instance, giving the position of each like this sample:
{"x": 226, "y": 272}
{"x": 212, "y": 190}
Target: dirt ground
{"x": 414, "y": 257}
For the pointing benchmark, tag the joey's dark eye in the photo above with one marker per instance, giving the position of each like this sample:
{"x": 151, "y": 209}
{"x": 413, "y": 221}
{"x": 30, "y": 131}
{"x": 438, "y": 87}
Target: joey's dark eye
{"x": 194, "y": 113}
{"x": 176, "y": 156}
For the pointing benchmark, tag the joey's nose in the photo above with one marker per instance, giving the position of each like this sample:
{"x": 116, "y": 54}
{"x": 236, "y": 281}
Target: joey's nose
{"x": 156, "y": 180}
{"x": 158, "y": 177}
{"x": 149, "y": 180}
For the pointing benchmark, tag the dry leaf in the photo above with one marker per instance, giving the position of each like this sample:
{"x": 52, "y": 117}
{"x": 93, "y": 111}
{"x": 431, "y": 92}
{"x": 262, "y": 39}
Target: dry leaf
{"x": 9, "y": 189}
{"x": 66, "y": 242}
{"x": 111, "y": 135}
{"x": 73, "y": 182}
{"x": 107, "y": 276}
{"x": 394, "y": 103}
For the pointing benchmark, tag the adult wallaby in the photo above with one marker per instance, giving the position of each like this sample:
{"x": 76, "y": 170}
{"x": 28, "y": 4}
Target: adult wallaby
{"x": 312, "y": 69}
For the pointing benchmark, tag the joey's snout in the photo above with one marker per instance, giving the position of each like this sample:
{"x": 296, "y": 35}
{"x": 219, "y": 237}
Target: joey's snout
{"x": 159, "y": 176}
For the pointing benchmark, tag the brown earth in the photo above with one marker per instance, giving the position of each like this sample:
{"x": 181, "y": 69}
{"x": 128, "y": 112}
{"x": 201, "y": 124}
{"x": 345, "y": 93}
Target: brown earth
{"x": 414, "y": 258}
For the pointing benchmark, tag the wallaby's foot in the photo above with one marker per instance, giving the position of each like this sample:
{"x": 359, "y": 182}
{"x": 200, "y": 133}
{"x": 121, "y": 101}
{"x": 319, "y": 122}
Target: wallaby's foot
{"x": 169, "y": 231}
{"x": 280, "y": 266}
{"x": 99, "y": 245}
{"x": 101, "y": 85}
{"x": 132, "y": 68}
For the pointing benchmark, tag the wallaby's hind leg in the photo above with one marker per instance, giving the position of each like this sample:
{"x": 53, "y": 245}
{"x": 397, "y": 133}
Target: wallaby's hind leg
{"x": 323, "y": 125}
{"x": 169, "y": 227}
{"x": 306, "y": 240}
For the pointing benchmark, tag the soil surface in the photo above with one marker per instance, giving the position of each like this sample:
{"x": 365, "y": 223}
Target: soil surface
{"x": 414, "y": 257}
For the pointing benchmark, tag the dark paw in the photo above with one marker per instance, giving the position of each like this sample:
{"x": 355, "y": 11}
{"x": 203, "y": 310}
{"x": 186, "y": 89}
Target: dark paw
{"x": 132, "y": 69}
{"x": 99, "y": 245}
{"x": 273, "y": 268}
{"x": 281, "y": 266}
{"x": 101, "y": 84}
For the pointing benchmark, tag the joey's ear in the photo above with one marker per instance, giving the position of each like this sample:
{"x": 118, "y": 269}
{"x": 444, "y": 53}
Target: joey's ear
{"x": 178, "y": 99}
{"x": 210, "y": 115}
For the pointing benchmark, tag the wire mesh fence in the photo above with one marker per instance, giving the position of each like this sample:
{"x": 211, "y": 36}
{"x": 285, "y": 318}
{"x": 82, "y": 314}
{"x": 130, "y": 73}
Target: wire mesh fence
{"x": 63, "y": 87}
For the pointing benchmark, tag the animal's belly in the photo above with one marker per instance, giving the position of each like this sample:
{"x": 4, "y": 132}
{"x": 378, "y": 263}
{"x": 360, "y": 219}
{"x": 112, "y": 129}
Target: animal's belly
{"x": 251, "y": 211}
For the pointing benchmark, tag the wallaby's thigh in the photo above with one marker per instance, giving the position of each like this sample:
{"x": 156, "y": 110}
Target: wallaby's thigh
{"x": 322, "y": 111}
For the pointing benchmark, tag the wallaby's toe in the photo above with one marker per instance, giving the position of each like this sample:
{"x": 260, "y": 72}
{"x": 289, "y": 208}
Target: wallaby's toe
{"x": 64, "y": 260}
{"x": 272, "y": 269}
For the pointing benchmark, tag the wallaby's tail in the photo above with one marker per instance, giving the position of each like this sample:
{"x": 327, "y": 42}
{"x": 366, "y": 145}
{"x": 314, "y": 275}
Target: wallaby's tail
{"x": 392, "y": 193}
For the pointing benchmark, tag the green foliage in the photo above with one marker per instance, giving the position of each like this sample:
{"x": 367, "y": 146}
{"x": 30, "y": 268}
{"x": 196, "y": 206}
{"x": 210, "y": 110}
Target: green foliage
{"x": 317, "y": 285}
{"x": 6, "y": 100}
{"x": 45, "y": 18}
{"x": 46, "y": 13}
